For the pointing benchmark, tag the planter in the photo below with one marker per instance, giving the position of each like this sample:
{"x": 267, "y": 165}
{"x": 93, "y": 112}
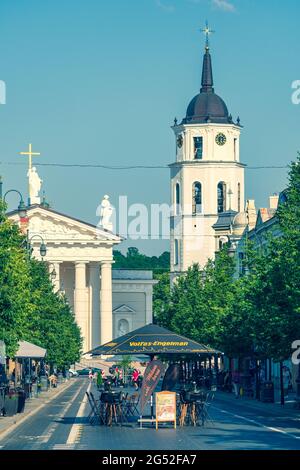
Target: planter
{"x": 44, "y": 384}
{"x": 11, "y": 404}
{"x": 21, "y": 401}
{"x": 34, "y": 390}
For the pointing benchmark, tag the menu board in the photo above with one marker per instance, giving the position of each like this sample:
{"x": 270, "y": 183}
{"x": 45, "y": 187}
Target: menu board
{"x": 165, "y": 407}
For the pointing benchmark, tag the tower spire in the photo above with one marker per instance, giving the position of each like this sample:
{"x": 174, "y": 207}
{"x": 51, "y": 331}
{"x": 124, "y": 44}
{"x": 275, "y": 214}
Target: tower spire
{"x": 207, "y": 75}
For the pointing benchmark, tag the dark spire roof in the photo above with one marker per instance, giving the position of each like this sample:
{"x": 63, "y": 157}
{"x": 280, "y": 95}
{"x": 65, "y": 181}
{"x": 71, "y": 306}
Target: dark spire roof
{"x": 207, "y": 75}
{"x": 207, "y": 106}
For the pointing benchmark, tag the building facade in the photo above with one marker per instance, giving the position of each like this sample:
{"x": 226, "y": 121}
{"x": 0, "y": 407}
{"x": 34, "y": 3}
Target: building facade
{"x": 207, "y": 178}
{"x": 106, "y": 302}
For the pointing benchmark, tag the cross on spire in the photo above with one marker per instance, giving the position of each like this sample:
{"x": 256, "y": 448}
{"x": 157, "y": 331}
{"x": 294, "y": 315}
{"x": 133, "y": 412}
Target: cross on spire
{"x": 207, "y": 31}
{"x": 30, "y": 154}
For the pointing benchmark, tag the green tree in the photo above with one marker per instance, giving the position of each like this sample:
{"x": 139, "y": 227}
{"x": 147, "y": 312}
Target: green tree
{"x": 15, "y": 296}
{"x": 201, "y": 299}
{"x": 136, "y": 260}
{"x": 161, "y": 300}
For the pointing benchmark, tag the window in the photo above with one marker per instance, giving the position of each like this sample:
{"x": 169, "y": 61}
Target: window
{"x": 198, "y": 148}
{"x": 177, "y": 199}
{"x": 197, "y": 198}
{"x": 176, "y": 252}
{"x": 234, "y": 147}
{"x": 239, "y": 197}
{"x": 221, "y": 197}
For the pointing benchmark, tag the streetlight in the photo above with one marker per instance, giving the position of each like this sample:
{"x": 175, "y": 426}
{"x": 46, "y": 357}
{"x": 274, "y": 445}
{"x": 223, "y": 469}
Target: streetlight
{"x": 22, "y": 209}
{"x": 43, "y": 248}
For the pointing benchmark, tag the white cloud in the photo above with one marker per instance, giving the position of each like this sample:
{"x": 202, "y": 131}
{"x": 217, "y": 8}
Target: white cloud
{"x": 223, "y": 5}
{"x": 164, "y": 6}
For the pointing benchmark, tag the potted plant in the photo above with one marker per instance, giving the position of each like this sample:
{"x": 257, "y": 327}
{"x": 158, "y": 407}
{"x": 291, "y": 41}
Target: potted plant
{"x": 11, "y": 401}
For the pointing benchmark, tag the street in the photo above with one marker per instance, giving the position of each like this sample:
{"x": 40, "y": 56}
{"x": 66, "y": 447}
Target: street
{"x": 62, "y": 424}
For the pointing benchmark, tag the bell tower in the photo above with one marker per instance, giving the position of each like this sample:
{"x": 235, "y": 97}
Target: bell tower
{"x": 207, "y": 178}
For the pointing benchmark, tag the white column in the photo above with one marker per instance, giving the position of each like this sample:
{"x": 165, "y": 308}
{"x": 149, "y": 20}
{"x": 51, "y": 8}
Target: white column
{"x": 149, "y": 304}
{"x": 80, "y": 302}
{"x": 95, "y": 304}
{"x": 106, "y": 303}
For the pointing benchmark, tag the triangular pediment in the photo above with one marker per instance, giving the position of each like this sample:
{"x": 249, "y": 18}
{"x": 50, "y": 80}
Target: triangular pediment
{"x": 54, "y": 226}
{"x": 123, "y": 309}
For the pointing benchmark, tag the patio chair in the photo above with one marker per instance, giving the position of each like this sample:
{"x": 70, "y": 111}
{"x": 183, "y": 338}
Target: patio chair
{"x": 132, "y": 404}
{"x": 204, "y": 414}
{"x": 95, "y": 414}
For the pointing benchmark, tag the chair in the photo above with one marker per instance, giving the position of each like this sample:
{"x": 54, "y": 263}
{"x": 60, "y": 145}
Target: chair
{"x": 132, "y": 404}
{"x": 204, "y": 414}
{"x": 94, "y": 414}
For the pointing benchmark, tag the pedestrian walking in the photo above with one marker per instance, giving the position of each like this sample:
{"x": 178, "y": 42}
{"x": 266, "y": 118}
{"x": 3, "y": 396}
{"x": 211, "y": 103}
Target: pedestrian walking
{"x": 236, "y": 383}
{"x": 286, "y": 380}
{"x": 135, "y": 376}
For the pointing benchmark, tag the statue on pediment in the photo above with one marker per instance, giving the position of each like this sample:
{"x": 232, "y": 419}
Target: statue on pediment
{"x": 106, "y": 211}
{"x": 35, "y": 183}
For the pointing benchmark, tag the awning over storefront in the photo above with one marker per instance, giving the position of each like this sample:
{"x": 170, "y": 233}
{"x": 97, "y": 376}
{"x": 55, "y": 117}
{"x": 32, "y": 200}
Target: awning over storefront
{"x": 152, "y": 339}
{"x": 29, "y": 350}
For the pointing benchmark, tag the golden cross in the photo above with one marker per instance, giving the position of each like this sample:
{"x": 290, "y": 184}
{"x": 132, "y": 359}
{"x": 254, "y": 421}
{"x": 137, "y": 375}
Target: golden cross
{"x": 30, "y": 154}
{"x": 207, "y": 31}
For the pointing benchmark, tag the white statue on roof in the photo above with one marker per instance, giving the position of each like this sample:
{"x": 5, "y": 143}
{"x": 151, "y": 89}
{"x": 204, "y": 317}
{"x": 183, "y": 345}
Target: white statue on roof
{"x": 106, "y": 212}
{"x": 35, "y": 183}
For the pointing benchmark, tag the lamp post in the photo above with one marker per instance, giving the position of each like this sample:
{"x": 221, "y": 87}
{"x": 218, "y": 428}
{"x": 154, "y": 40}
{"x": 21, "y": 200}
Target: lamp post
{"x": 22, "y": 209}
{"x": 43, "y": 248}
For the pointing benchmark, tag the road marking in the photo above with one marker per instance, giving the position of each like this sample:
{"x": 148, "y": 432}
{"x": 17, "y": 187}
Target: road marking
{"x": 63, "y": 446}
{"x": 4, "y": 433}
{"x": 77, "y": 427}
{"x": 51, "y": 428}
{"x": 253, "y": 421}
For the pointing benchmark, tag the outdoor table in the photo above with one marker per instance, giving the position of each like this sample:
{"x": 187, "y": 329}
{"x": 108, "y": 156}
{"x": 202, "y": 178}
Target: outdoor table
{"x": 112, "y": 407}
{"x": 191, "y": 407}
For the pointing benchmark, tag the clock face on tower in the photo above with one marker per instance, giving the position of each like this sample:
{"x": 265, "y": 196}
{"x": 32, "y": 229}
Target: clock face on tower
{"x": 179, "y": 141}
{"x": 221, "y": 139}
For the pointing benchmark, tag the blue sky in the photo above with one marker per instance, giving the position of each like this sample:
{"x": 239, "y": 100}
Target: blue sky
{"x": 98, "y": 81}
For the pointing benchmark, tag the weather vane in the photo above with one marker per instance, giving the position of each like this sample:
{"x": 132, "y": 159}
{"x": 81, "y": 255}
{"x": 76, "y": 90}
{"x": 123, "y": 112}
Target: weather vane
{"x": 207, "y": 31}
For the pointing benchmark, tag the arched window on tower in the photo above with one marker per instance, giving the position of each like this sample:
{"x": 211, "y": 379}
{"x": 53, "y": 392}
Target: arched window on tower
{"x": 198, "y": 148}
{"x": 221, "y": 197}
{"x": 177, "y": 199}
{"x": 239, "y": 197}
{"x": 197, "y": 198}
{"x": 176, "y": 252}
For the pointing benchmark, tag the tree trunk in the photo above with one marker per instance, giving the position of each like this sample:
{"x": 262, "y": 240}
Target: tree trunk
{"x": 270, "y": 369}
{"x": 257, "y": 381}
{"x": 281, "y": 385}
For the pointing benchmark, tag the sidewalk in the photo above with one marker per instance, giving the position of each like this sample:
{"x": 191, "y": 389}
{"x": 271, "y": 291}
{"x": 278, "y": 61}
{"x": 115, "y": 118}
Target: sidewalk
{"x": 288, "y": 409}
{"x": 32, "y": 406}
